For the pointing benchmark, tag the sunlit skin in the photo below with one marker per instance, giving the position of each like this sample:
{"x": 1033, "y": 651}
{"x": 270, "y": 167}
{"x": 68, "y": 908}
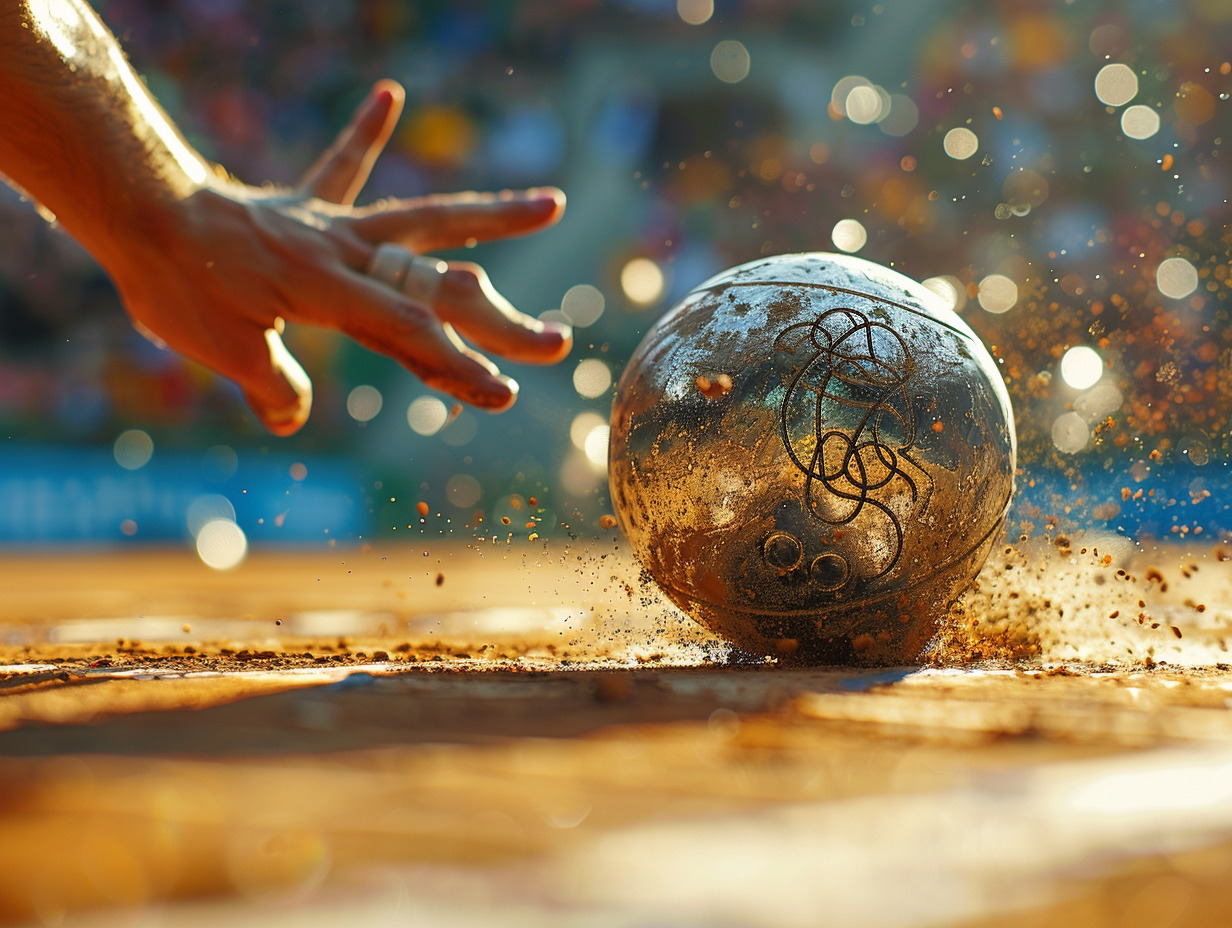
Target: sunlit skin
{"x": 213, "y": 268}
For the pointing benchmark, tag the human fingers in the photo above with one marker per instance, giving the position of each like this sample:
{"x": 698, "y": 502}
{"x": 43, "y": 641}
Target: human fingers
{"x": 454, "y": 220}
{"x": 343, "y": 169}
{"x": 462, "y": 295}
{"x": 276, "y": 387}
{"x": 272, "y": 381}
{"x": 392, "y": 324}
{"x": 471, "y": 304}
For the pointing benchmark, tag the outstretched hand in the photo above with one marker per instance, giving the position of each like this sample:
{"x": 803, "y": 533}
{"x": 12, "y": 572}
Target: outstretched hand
{"x": 219, "y": 276}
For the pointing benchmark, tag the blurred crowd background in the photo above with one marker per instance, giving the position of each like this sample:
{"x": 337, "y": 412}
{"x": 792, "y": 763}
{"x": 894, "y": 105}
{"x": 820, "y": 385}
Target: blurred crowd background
{"x": 1059, "y": 170}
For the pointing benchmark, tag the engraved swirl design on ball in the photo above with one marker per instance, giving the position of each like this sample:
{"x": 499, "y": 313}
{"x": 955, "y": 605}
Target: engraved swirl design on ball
{"x": 852, "y": 391}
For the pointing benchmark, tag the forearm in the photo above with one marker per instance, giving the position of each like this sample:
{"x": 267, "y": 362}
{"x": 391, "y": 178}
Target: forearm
{"x": 80, "y": 133}
{"x": 215, "y": 269}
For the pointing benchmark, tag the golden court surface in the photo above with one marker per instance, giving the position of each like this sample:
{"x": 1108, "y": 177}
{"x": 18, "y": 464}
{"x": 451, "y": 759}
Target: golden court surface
{"x": 524, "y": 734}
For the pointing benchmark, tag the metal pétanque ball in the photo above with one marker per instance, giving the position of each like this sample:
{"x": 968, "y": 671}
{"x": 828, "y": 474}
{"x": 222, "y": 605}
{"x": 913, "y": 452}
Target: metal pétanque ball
{"x": 813, "y": 455}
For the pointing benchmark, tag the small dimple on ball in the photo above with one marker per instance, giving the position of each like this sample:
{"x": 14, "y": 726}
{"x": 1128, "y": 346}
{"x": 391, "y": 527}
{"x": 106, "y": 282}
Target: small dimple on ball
{"x": 829, "y": 571}
{"x": 783, "y": 551}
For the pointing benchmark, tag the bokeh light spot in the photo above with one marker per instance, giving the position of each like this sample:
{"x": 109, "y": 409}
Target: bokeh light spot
{"x": 730, "y": 61}
{"x": 1116, "y": 84}
{"x": 1196, "y": 450}
{"x": 997, "y": 293}
{"x": 596, "y": 443}
{"x": 577, "y": 475}
{"x": 849, "y": 235}
{"x": 426, "y": 415}
{"x": 903, "y": 117}
{"x": 463, "y": 491}
{"x": 208, "y": 508}
{"x": 1024, "y": 188}
{"x": 219, "y": 463}
{"x": 642, "y": 281}
{"x": 1069, "y": 433}
{"x": 843, "y": 89}
{"x": 1194, "y": 103}
{"x": 1176, "y": 278}
{"x": 364, "y": 402}
{"x": 591, "y": 378}
{"x": 1108, "y": 40}
{"x": 945, "y": 288}
{"x": 299, "y": 471}
{"x": 960, "y": 143}
{"x": 460, "y": 430}
{"x": 1101, "y": 400}
{"x": 695, "y": 12}
{"x": 509, "y": 514}
{"x": 221, "y": 544}
{"x": 582, "y": 425}
{"x": 440, "y": 135}
{"x": 863, "y": 105}
{"x": 133, "y": 449}
{"x": 1081, "y": 367}
{"x": 583, "y": 305}
{"x": 1139, "y": 122}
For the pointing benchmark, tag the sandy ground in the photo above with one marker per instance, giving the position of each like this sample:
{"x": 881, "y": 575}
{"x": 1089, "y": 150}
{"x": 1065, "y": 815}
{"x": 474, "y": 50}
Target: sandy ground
{"x": 527, "y": 735}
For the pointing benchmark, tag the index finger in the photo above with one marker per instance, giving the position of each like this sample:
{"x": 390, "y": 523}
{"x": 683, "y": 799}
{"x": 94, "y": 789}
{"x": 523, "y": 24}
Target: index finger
{"x": 455, "y": 220}
{"x": 341, "y": 171}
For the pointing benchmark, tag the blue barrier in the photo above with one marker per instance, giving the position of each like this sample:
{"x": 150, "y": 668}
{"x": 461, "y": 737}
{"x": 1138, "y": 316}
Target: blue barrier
{"x": 1146, "y": 499}
{"x": 57, "y": 495}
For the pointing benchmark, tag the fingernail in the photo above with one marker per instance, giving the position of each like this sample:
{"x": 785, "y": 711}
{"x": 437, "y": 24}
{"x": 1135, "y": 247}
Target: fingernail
{"x": 387, "y": 92}
{"x": 512, "y": 386}
{"x": 546, "y": 193}
{"x": 289, "y": 419}
{"x": 564, "y": 330}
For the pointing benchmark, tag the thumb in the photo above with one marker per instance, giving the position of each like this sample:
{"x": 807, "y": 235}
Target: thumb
{"x": 278, "y": 392}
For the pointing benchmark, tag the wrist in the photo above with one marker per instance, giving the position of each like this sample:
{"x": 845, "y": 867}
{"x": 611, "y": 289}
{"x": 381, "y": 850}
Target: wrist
{"x": 148, "y": 227}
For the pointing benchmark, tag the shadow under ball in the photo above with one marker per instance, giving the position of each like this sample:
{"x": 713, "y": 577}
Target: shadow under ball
{"x": 812, "y": 455}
